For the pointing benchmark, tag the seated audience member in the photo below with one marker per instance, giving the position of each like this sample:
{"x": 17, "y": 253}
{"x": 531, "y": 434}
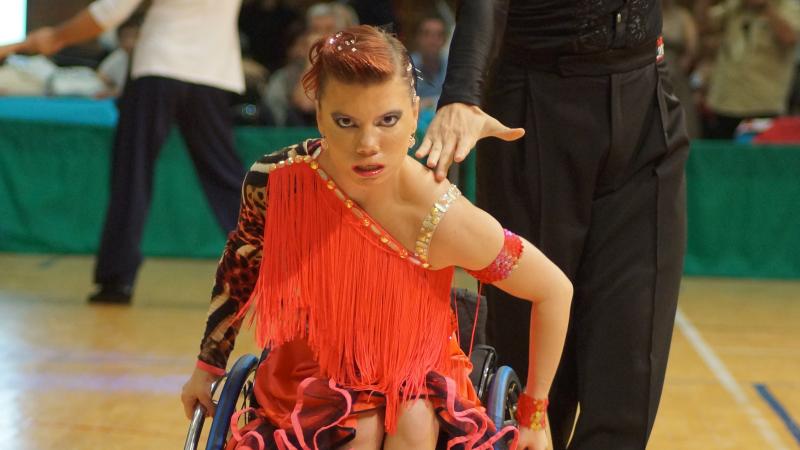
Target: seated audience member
{"x": 429, "y": 59}
{"x": 327, "y": 18}
{"x": 374, "y": 12}
{"x": 279, "y": 98}
{"x": 681, "y": 50}
{"x": 321, "y": 19}
{"x": 755, "y": 62}
{"x": 265, "y": 29}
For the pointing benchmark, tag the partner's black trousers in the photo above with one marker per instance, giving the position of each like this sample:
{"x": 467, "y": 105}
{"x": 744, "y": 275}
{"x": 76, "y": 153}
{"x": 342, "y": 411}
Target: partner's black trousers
{"x": 597, "y": 183}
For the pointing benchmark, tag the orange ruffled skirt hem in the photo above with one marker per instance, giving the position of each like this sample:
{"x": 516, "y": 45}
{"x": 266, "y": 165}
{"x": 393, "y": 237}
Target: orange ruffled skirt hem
{"x": 300, "y": 409}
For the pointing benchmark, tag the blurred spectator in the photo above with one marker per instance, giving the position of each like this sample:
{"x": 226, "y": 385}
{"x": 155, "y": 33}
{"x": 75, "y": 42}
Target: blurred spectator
{"x": 429, "y": 59}
{"x": 286, "y": 98}
{"x": 755, "y": 62}
{"x": 265, "y": 26}
{"x": 681, "y": 45}
{"x": 345, "y": 14}
{"x": 282, "y": 85}
{"x": 248, "y": 106}
{"x": 374, "y": 12}
{"x": 327, "y": 18}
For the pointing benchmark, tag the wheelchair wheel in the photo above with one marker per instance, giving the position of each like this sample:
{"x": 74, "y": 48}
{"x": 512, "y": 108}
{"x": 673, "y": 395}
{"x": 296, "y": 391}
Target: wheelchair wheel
{"x": 501, "y": 405}
{"x": 483, "y": 360}
{"x": 236, "y": 394}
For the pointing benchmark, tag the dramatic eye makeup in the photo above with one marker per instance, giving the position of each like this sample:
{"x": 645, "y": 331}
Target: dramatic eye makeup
{"x": 389, "y": 119}
{"x": 342, "y": 121}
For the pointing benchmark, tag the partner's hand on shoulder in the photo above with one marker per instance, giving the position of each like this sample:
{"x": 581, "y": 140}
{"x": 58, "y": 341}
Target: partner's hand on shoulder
{"x": 454, "y": 131}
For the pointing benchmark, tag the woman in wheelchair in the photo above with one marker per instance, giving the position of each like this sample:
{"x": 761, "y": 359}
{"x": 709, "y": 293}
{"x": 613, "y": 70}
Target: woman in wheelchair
{"x": 345, "y": 253}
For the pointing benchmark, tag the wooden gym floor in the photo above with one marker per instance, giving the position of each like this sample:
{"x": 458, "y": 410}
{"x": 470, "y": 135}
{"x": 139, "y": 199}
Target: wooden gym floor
{"x": 75, "y": 376}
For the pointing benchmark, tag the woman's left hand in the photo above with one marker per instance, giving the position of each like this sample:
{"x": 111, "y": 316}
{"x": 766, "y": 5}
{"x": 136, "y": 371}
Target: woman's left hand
{"x": 533, "y": 440}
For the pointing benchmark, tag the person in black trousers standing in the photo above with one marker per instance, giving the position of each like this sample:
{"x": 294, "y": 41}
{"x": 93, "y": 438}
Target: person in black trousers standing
{"x": 597, "y": 183}
{"x": 186, "y": 64}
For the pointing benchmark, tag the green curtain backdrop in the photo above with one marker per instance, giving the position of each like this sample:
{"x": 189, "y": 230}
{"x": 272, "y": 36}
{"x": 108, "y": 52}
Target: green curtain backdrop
{"x": 54, "y": 189}
{"x": 744, "y": 210}
{"x": 744, "y": 201}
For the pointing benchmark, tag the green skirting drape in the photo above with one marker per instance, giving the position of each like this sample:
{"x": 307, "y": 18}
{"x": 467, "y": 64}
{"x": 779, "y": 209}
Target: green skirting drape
{"x": 744, "y": 201}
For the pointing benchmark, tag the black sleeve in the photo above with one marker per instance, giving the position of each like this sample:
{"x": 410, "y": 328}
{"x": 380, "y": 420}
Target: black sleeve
{"x": 478, "y": 26}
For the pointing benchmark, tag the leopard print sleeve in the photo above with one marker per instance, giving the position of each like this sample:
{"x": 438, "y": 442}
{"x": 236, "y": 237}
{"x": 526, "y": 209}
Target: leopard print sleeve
{"x": 239, "y": 266}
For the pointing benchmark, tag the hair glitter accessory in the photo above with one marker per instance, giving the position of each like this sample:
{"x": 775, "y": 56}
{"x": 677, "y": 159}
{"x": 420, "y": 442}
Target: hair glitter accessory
{"x": 505, "y": 262}
{"x": 343, "y": 44}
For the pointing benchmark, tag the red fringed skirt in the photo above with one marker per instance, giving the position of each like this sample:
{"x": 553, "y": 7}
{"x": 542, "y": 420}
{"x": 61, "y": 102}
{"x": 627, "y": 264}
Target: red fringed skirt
{"x": 302, "y": 410}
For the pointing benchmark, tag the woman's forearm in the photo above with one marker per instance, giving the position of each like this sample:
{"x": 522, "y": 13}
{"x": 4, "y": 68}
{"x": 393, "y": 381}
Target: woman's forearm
{"x": 549, "y": 320}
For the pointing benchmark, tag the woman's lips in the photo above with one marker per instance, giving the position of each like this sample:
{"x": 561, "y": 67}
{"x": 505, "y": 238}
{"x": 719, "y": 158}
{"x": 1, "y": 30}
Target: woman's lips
{"x": 368, "y": 170}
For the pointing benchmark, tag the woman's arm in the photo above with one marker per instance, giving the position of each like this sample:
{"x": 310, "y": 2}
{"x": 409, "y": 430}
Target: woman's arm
{"x": 236, "y": 276}
{"x": 780, "y": 20}
{"x": 470, "y": 238}
{"x": 539, "y": 280}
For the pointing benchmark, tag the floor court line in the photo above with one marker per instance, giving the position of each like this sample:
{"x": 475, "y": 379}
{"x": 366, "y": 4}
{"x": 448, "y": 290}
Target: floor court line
{"x": 728, "y": 382}
{"x": 779, "y": 410}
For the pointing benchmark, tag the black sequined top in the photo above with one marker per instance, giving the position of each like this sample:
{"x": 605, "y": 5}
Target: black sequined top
{"x": 547, "y": 26}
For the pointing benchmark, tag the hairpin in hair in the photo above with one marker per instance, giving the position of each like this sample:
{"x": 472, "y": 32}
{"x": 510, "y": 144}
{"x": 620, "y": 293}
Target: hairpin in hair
{"x": 413, "y": 73}
{"x": 343, "y": 44}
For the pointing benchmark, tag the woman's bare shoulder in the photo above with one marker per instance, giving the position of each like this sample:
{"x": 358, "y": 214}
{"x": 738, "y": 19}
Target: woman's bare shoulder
{"x": 464, "y": 235}
{"x": 421, "y": 187}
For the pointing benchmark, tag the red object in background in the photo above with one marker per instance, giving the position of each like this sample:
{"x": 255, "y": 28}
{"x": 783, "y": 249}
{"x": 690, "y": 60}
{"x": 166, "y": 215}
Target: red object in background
{"x": 784, "y": 130}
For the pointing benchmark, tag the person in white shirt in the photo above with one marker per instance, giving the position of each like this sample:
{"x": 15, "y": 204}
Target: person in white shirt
{"x": 186, "y": 64}
{"x": 115, "y": 67}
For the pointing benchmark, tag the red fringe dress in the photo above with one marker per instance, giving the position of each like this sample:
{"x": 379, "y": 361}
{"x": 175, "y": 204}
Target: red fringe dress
{"x": 355, "y": 323}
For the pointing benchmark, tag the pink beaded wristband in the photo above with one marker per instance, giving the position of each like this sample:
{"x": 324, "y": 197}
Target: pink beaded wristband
{"x": 213, "y": 370}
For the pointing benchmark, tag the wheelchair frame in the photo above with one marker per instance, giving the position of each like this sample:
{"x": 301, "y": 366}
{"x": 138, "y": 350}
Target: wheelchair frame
{"x": 498, "y": 391}
{"x": 497, "y": 388}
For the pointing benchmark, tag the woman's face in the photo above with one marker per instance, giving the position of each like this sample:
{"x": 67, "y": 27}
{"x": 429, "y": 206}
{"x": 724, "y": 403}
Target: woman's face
{"x": 367, "y": 128}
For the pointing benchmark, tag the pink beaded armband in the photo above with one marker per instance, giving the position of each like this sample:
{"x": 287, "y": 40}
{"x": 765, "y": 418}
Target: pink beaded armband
{"x": 504, "y": 263}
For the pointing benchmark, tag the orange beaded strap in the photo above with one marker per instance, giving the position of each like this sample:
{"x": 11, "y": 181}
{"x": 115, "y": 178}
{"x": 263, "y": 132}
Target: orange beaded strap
{"x": 504, "y": 263}
{"x": 532, "y": 412}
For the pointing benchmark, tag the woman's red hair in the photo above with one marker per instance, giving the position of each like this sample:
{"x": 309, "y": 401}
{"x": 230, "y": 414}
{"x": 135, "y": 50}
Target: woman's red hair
{"x": 359, "y": 54}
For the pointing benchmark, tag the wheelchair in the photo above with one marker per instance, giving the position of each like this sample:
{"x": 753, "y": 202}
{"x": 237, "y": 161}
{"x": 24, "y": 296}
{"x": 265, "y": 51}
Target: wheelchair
{"x": 497, "y": 387}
